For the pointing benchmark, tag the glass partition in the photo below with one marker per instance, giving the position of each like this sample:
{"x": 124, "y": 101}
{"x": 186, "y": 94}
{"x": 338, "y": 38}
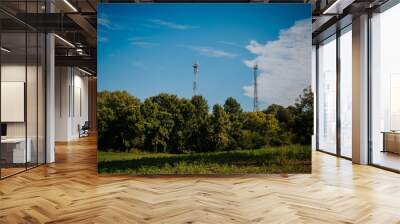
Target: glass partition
{"x": 327, "y": 95}
{"x": 31, "y": 99}
{"x": 41, "y": 87}
{"x": 14, "y": 155}
{"x": 23, "y": 91}
{"x": 41, "y": 96}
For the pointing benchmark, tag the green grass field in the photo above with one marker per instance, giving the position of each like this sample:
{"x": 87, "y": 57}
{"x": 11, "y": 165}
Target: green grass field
{"x": 288, "y": 159}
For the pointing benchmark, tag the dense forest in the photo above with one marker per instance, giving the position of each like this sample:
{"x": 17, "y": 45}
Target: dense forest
{"x": 167, "y": 123}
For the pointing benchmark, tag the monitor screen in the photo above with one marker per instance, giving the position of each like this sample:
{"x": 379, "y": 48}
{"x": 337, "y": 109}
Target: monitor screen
{"x": 3, "y": 129}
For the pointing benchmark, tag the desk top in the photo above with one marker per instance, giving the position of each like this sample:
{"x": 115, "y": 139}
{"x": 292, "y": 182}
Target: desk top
{"x": 391, "y": 132}
{"x": 13, "y": 140}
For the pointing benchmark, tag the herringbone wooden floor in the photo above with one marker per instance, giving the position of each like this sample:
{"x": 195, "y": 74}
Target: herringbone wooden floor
{"x": 70, "y": 191}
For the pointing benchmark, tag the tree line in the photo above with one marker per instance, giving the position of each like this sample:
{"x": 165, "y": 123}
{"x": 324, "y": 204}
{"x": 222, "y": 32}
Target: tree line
{"x": 167, "y": 123}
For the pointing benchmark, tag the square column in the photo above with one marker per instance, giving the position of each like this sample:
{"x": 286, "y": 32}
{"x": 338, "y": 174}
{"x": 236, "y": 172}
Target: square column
{"x": 360, "y": 89}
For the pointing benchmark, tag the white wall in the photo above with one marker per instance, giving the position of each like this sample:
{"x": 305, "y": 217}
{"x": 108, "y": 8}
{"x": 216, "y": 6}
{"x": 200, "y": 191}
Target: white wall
{"x": 71, "y": 94}
{"x": 80, "y": 115}
{"x": 62, "y": 82}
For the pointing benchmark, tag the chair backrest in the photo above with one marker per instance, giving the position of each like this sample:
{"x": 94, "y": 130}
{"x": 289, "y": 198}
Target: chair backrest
{"x": 86, "y": 125}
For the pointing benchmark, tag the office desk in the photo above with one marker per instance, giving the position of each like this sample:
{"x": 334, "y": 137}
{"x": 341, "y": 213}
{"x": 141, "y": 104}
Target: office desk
{"x": 391, "y": 141}
{"x": 13, "y": 150}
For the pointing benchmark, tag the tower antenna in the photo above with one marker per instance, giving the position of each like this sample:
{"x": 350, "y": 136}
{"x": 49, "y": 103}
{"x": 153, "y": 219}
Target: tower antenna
{"x": 196, "y": 78}
{"x": 255, "y": 99}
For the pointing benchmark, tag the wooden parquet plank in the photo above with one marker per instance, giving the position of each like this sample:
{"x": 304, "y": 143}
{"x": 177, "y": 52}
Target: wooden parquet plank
{"x": 71, "y": 191}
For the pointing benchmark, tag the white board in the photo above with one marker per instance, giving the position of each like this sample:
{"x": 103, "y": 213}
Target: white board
{"x": 12, "y": 101}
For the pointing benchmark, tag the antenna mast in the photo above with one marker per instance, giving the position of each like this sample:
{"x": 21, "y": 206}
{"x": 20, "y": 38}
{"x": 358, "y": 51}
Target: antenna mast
{"x": 196, "y": 78}
{"x": 255, "y": 99}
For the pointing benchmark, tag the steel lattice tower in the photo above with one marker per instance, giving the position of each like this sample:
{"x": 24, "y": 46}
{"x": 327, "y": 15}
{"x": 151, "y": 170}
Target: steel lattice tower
{"x": 196, "y": 78}
{"x": 255, "y": 99}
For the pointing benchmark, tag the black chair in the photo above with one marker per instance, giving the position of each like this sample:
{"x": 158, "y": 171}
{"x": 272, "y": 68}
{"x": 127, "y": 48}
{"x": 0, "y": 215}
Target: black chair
{"x": 84, "y": 130}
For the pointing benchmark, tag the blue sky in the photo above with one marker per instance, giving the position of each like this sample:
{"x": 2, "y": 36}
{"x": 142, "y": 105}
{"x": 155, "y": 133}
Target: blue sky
{"x": 150, "y": 48}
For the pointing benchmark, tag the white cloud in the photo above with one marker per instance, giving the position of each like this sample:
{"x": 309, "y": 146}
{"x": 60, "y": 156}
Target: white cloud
{"x": 102, "y": 39}
{"x": 172, "y": 25}
{"x": 105, "y": 22}
{"x": 212, "y": 52}
{"x": 142, "y": 42}
{"x": 229, "y": 43}
{"x": 284, "y": 65}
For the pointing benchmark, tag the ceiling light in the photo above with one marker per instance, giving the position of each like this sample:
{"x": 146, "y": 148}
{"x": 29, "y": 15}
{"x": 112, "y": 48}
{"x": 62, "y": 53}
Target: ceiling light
{"x": 70, "y": 5}
{"x": 5, "y": 50}
{"x": 79, "y": 51}
{"x": 84, "y": 71}
{"x": 65, "y": 41}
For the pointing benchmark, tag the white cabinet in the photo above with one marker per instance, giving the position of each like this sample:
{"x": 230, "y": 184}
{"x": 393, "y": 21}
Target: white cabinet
{"x": 19, "y": 155}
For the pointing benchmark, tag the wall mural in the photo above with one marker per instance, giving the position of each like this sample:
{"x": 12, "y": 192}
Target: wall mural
{"x": 204, "y": 88}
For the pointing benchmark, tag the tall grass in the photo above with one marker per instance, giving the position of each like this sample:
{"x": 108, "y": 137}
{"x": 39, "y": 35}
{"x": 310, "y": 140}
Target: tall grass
{"x": 287, "y": 159}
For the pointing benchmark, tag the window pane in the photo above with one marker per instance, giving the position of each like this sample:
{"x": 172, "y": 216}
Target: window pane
{"x": 313, "y": 87}
{"x": 346, "y": 93}
{"x": 385, "y": 92}
{"x": 327, "y": 96}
